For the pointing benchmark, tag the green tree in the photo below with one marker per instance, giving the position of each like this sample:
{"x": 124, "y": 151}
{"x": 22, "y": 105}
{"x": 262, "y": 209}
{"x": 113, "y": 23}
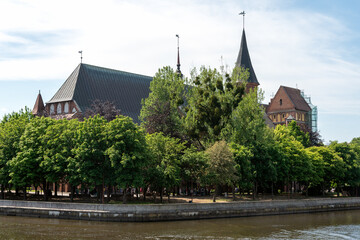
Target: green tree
{"x": 221, "y": 170}
{"x": 352, "y": 163}
{"x": 12, "y": 128}
{"x": 298, "y": 134}
{"x": 333, "y": 170}
{"x": 26, "y": 168}
{"x": 248, "y": 128}
{"x": 293, "y": 156}
{"x": 163, "y": 170}
{"x": 90, "y": 160}
{"x": 193, "y": 166}
{"x": 211, "y": 102}
{"x": 59, "y": 141}
{"x": 127, "y": 151}
{"x": 242, "y": 157}
{"x": 161, "y": 111}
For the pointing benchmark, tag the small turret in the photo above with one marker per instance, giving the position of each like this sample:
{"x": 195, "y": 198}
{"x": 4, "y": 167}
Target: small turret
{"x": 39, "y": 107}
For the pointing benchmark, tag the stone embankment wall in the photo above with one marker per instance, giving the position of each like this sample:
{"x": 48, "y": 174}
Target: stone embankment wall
{"x": 170, "y": 212}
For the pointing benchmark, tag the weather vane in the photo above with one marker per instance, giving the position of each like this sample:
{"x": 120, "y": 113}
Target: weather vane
{"x": 80, "y": 56}
{"x": 243, "y": 14}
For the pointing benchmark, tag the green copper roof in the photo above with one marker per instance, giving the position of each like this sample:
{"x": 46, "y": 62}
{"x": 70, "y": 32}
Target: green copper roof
{"x": 88, "y": 83}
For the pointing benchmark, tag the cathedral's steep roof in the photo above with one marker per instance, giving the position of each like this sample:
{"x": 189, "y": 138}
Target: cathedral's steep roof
{"x": 244, "y": 61}
{"x": 295, "y": 96}
{"x": 88, "y": 83}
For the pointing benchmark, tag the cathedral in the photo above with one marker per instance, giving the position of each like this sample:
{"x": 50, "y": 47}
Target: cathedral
{"x": 88, "y": 83}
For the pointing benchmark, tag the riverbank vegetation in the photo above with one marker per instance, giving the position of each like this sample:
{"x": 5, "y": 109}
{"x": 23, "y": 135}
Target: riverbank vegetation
{"x": 198, "y": 136}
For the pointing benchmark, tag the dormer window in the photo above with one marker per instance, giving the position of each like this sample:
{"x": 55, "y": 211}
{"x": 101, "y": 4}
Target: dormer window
{"x": 280, "y": 102}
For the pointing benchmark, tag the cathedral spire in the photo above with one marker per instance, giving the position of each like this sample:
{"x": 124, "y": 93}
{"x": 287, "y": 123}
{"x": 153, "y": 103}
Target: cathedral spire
{"x": 178, "y": 71}
{"x": 243, "y": 59}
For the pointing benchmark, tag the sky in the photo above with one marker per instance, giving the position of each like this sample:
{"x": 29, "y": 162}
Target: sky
{"x": 313, "y": 45}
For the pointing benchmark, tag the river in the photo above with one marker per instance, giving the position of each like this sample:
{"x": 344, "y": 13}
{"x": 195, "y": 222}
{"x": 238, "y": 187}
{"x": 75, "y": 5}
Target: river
{"x": 329, "y": 225}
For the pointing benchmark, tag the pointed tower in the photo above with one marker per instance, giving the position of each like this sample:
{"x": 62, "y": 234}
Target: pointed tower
{"x": 244, "y": 61}
{"x": 178, "y": 71}
{"x": 39, "y": 107}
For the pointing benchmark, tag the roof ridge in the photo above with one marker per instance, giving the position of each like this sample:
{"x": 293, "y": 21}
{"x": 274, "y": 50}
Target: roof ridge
{"x": 111, "y": 69}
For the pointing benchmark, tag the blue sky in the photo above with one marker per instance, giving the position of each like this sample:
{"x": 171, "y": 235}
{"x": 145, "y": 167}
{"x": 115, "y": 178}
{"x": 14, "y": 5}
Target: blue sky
{"x": 309, "y": 44}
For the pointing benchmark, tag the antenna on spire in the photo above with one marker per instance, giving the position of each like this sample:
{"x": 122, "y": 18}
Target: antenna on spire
{"x": 178, "y": 71}
{"x": 80, "y": 56}
{"x": 243, "y": 14}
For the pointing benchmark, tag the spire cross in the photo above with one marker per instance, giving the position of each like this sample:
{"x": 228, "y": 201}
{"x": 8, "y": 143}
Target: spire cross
{"x": 243, "y": 14}
{"x": 80, "y": 56}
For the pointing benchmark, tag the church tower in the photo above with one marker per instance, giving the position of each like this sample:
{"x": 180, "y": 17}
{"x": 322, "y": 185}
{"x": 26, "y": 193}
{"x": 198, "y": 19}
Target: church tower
{"x": 243, "y": 60}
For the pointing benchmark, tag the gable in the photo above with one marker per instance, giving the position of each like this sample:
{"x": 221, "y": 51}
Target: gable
{"x": 281, "y": 102}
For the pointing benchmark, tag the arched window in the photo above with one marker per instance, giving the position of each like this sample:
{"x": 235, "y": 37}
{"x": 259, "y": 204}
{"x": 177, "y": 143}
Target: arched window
{"x": 66, "y": 108}
{"x": 58, "y": 110}
{"x": 74, "y": 110}
{"x": 52, "y": 109}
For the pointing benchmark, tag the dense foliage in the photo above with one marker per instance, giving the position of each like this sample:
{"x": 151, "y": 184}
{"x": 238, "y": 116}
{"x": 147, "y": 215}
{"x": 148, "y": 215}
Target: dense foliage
{"x": 208, "y": 136}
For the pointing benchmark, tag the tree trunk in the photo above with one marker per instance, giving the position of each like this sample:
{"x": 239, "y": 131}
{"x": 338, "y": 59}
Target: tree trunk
{"x": 72, "y": 193}
{"x": 125, "y": 195}
{"x": 16, "y": 191}
{"x": 144, "y": 193}
{"x": 254, "y": 190}
{"x": 161, "y": 195}
{"x": 2, "y": 191}
{"x": 45, "y": 190}
{"x": 56, "y": 190}
{"x": 233, "y": 193}
{"x": 109, "y": 192}
{"x": 272, "y": 190}
{"x": 102, "y": 191}
{"x": 24, "y": 193}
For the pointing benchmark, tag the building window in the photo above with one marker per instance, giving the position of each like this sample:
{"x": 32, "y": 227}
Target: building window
{"x": 52, "y": 109}
{"x": 58, "y": 110}
{"x": 74, "y": 110}
{"x": 280, "y": 102}
{"x": 66, "y": 108}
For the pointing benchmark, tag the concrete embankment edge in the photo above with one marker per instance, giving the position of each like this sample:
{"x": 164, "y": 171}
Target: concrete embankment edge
{"x": 172, "y": 212}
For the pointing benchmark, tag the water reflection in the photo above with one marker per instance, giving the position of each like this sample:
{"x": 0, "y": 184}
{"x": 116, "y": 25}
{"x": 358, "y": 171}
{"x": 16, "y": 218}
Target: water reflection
{"x": 332, "y": 225}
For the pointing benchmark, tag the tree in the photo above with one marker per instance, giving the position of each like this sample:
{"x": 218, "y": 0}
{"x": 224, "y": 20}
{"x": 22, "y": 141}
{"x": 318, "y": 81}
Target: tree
{"x": 221, "y": 170}
{"x": 333, "y": 170}
{"x": 127, "y": 151}
{"x": 163, "y": 170}
{"x": 90, "y": 161}
{"x": 293, "y": 156}
{"x": 193, "y": 166}
{"x": 212, "y": 99}
{"x": 242, "y": 157}
{"x": 59, "y": 141}
{"x": 26, "y": 168}
{"x": 105, "y": 109}
{"x": 161, "y": 111}
{"x": 12, "y": 128}
{"x": 352, "y": 162}
{"x": 298, "y": 134}
{"x": 248, "y": 128}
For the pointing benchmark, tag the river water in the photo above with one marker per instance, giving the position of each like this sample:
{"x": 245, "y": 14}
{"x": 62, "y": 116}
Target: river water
{"x": 330, "y": 225}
